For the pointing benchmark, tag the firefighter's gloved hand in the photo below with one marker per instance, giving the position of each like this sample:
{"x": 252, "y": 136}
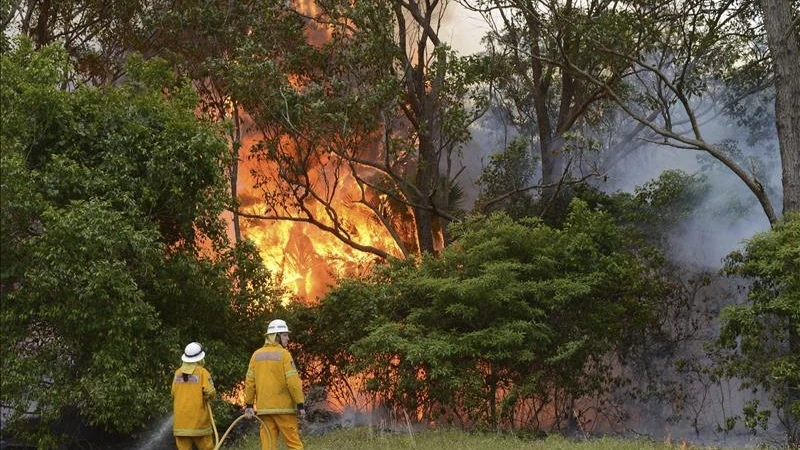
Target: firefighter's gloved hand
{"x": 301, "y": 413}
{"x": 249, "y": 413}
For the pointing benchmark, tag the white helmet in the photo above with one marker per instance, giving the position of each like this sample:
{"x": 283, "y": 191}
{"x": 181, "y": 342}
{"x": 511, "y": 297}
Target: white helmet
{"x": 277, "y": 326}
{"x": 193, "y": 353}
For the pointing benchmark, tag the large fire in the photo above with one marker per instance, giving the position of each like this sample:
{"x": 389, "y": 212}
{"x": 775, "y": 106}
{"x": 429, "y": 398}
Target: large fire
{"x": 302, "y": 257}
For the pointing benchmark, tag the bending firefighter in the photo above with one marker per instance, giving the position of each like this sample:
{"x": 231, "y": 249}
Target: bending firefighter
{"x": 192, "y": 388}
{"x": 273, "y": 386}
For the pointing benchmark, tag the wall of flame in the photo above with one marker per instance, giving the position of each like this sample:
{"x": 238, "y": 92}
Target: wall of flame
{"x": 301, "y": 257}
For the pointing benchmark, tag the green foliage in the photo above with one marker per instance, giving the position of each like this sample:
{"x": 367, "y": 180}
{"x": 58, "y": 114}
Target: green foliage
{"x": 657, "y": 206}
{"x": 95, "y": 33}
{"x": 546, "y": 51}
{"x": 341, "y": 90}
{"x": 511, "y": 312}
{"x": 760, "y": 338}
{"x": 114, "y": 253}
{"x": 505, "y": 179}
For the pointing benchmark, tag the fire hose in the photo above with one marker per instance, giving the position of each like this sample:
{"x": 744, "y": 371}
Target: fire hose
{"x": 224, "y": 436}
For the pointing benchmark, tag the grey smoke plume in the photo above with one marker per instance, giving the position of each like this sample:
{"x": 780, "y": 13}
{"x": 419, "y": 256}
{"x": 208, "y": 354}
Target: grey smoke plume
{"x": 725, "y": 218}
{"x": 729, "y": 214}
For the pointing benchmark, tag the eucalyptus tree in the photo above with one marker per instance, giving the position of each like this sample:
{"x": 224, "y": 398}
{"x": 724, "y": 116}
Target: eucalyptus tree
{"x": 673, "y": 67}
{"x": 705, "y": 59}
{"x": 376, "y": 103}
{"x": 547, "y": 100}
{"x": 367, "y": 90}
{"x": 781, "y": 20}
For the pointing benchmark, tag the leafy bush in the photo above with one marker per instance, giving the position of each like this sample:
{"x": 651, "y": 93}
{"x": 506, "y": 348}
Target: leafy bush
{"x": 511, "y": 326}
{"x": 114, "y": 253}
{"x": 760, "y": 338}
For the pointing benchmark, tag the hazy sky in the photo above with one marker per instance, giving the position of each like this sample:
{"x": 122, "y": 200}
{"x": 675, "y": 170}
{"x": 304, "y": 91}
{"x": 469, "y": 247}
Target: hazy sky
{"x": 462, "y": 29}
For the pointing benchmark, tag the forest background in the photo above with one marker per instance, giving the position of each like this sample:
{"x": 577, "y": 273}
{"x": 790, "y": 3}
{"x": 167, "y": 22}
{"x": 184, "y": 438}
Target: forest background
{"x": 568, "y": 286}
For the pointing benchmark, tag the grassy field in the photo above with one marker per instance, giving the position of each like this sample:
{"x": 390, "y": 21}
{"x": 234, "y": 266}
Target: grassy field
{"x": 366, "y": 439}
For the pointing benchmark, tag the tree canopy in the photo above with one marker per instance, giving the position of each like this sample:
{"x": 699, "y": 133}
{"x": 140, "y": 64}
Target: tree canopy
{"x": 114, "y": 252}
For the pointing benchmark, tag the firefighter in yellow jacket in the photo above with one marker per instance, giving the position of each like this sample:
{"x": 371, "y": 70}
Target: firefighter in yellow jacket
{"x": 192, "y": 389}
{"x": 272, "y": 389}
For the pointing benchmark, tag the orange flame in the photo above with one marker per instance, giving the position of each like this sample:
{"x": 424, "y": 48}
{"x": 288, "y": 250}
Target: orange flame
{"x": 302, "y": 257}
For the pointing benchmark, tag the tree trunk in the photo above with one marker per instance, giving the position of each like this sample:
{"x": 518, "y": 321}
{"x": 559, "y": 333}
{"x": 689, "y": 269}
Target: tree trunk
{"x": 423, "y": 111}
{"x": 427, "y": 174}
{"x": 551, "y": 158}
{"x": 424, "y": 230}
{"x": 236, "y": 145}
{"x": 783, "y": 45}
{"x": 43, "y": 25}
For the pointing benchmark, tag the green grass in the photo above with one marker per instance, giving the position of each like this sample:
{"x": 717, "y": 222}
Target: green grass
{"x": 367, "y": 439}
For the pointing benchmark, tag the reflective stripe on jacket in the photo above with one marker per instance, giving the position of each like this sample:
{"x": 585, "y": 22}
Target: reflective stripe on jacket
{"x": 189, "y": 402}
{"x": 272, "y": 383}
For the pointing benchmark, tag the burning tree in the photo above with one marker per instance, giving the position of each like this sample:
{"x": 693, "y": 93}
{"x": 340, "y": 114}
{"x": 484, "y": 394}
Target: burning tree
{"x": 370, "y": 119}
{"x": 352, "y": 115}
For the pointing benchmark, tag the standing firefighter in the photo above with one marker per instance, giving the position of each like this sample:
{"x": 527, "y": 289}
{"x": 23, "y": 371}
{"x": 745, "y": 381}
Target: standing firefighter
{"x": 192, "y": 389}
{"x": 273, "y": 385}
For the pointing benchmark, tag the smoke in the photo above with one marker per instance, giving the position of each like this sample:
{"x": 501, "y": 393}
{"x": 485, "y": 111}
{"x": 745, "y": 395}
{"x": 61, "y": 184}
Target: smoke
{"x": 720, "y": 223}
{"x": 729, "y": 214}
{"x": 462, "y": 29}
{"x": 724, "y": 218}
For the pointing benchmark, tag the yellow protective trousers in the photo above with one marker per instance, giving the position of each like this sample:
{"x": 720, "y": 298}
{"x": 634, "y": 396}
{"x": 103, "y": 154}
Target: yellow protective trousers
{"x": 201, "y": 442}
{"x": 283, "y": 425}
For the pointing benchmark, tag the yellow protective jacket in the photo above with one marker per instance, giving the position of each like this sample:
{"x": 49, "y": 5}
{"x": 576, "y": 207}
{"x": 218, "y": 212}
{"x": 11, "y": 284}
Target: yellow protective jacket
{"x": 189, "y": 401}
{"x": 272, "y": 383}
